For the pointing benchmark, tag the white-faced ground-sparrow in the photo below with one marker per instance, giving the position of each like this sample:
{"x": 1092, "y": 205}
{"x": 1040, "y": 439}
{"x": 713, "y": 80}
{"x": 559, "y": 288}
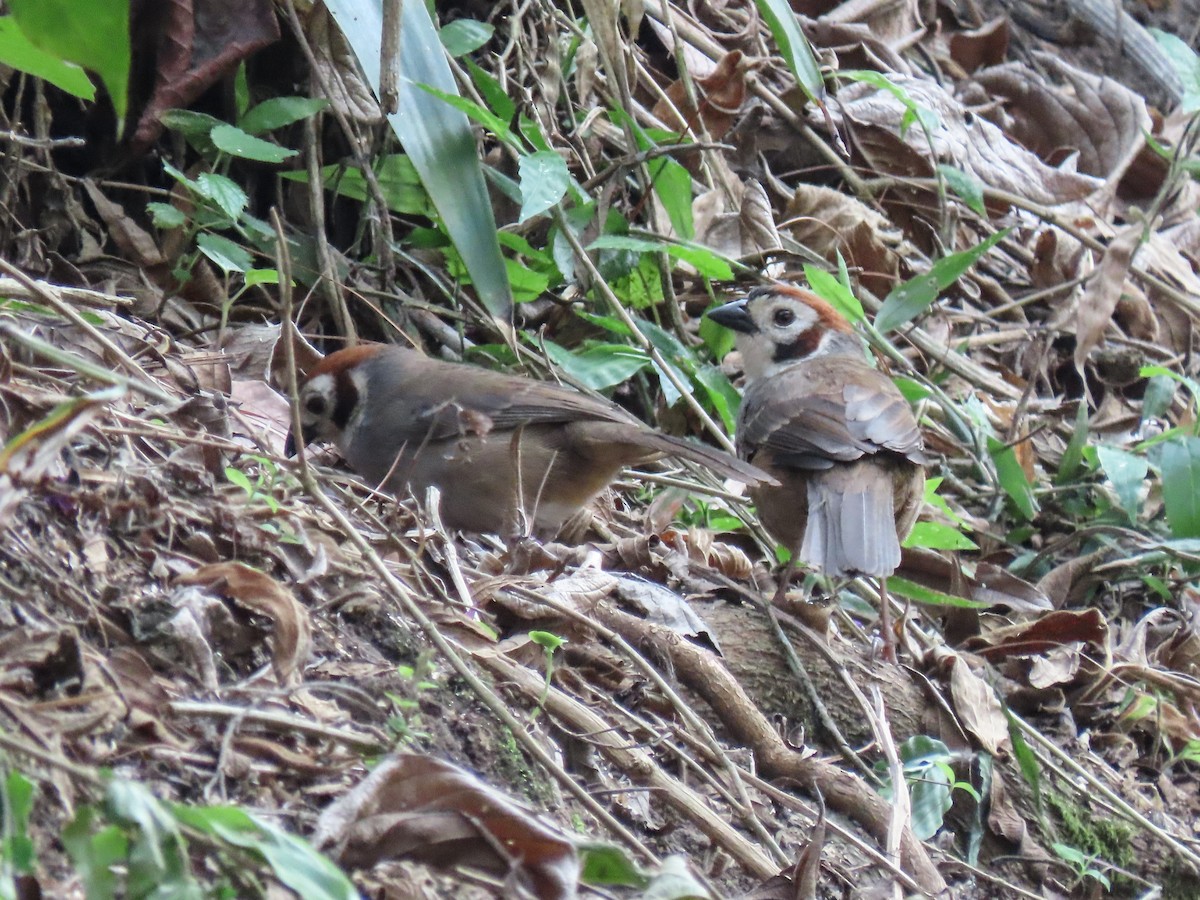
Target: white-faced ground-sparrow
{"x": 509, "y": 454}
{"x": 835, "y": 432}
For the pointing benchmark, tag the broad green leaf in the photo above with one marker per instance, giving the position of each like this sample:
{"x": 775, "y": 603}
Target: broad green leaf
{"x": 968, "y": 188}
{"x": 90, "y": 34}
{"x": 166, "y": 216}
{"x": 397, "y": 178}
{"x": 598, "y": 367}
{"x": 224, "y": 192}
{"x": 228, "y": 256}
{"x": 1127, "y": 472}
{"x": 232, "y": 140}
{"x": 261, "y": 276}
{"x": 280, "y": 111}
{"x": 131, "y": 802}
{"x": 544, "y": 181}
{"x": 437, "y": 137}
{"x": 1012, "y": 477}
{"x": 722, "y": 395}
{"x": 938, "y": 536}
{"x": 1184, "y": 61}
{"x": 17, "y": 52}
{"x": 913, "y": 391}
{"x": 950, "y": 268}
{"x": 94, "y": 855}
{"x": 295, "y": 863}
{"x": 1181, "y": 485}
{"x": 671, "y": 182}
{"x": 462, "y": 36}
{"x": 794, "y": 47}
{"x": 608, "y": 864}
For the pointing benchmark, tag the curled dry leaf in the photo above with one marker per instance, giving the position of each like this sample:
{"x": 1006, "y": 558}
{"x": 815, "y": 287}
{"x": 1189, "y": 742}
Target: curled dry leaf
{"x": 978, "y": 708}
{"x": 1103, "y": 291}
{"x": 1051, "y": 630}
{"x": 736, "y": 223}
{"x": 721, "y": 95}
{"x": 961, "y": 138}
{"x": 1100, "y": 119}
{"x": 419, "y": 808}
{"x": 260, "y": 593}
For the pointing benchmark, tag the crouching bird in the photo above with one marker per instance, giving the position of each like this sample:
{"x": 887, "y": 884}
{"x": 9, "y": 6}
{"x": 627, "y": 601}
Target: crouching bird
{"x": 509, "y": 454}
{"x": 837, "y": 435}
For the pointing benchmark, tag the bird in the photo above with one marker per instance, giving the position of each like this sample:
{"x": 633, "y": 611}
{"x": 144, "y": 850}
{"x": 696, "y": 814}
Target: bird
{"x": 834, "y": 431}
{"x": 510, "y": 455}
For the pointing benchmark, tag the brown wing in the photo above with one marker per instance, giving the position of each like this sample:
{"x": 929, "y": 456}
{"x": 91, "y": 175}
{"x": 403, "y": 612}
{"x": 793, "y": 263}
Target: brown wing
{"x": 826, "y": 411}
{"x": 441, "y": 400}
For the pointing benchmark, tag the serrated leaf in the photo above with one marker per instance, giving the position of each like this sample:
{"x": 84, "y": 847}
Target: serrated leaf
{"x": 224, "y": 192}
{"x": 166, "y": 216}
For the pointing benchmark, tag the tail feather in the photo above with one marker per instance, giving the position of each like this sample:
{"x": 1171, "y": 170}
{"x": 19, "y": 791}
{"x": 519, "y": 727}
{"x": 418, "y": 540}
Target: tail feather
{"x": 851, "y": 525}
{"x": 656, "y": 444}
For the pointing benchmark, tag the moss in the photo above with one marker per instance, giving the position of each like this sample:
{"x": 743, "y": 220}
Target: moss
{"x": 1108, "y": 839}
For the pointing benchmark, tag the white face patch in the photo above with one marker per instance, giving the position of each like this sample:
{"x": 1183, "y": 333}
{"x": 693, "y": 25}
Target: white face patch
{"x": 317, "y": 399}
{"x": 780, "y": 321}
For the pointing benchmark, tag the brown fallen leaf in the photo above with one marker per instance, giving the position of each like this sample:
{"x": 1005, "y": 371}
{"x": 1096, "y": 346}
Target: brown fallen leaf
{"x": 260, "y": 593}
{"x": 419, "y": 808}
{"x": 1103, "y": 291}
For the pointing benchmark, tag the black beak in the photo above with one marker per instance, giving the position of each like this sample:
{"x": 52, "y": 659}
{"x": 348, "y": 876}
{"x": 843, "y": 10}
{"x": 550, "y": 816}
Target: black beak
{"x": 289, "y": 445}
{"x": 733, "y": 315}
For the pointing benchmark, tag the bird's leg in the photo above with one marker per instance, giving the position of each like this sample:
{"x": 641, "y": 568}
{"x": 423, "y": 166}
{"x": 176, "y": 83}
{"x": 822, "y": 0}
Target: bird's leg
{"x": 885, "y": 623}
{"x": 785, "y": 578}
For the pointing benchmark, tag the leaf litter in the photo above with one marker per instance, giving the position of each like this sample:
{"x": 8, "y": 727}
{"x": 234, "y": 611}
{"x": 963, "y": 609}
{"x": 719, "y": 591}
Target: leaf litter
{"x": 227, "y": 638}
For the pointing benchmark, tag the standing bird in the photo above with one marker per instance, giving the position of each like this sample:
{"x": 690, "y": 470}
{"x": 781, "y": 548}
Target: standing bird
{"x": 836, "y": 433}
{"x": 509, "y": 454}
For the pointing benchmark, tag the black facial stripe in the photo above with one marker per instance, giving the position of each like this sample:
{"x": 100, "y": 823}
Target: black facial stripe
{"x": 806, "y": 344}
{"x": 345, "y": 399}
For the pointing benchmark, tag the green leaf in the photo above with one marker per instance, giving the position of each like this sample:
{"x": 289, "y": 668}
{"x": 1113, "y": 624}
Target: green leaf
{"x": 492, "y": 92}
{"x": 938, "y": 536}
{"x": 437, "y": 138}
{"x": 261, "y": 276}
{"x": 1127, "y": 472}
{"x": 968, "y": 188}
{"x": 484, "y": 116}
{"x": 722, "y": 395}
{"x": 1186, "y": 64}
{"x": 600, "y": 366}
{"x": 1072, "y": 456}
{"x": 794, "y": 47}
{"x": 166, "y": 216}
{"x": 547, "y": 640}
{"x": 607, "y": 864}
{"x": 224, "y": 192}
{"x": 1180, "y": 463}
{"x": 544, "y": 181}
{"x": 90, "y": 34}
{"x": 830, "y": 289}
{"x": 238, "y": 477}
{"x": 703, "y": 260}
{"x": 94, "y": 855}
{"x": 918, "y": 593}
{"x": 909, "y": 300}
{"x": 17, "y": 52}
{"x": 1012, "y": 477}
{"x": 295, "y": 863}
{"x": 463, "y": 36}
{"x": 227, "y": 255}
{"x": 279, "y": 112}
{"x": 232, "y": 140}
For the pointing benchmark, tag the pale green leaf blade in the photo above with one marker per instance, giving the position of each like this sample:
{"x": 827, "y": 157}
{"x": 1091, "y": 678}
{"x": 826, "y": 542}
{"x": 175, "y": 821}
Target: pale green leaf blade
{"x": 18, "y": 52}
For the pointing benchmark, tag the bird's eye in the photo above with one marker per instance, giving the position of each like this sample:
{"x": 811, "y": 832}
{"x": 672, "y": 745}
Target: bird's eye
{"x": 783, "y": 317}
{"x": 315, "y": 404}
